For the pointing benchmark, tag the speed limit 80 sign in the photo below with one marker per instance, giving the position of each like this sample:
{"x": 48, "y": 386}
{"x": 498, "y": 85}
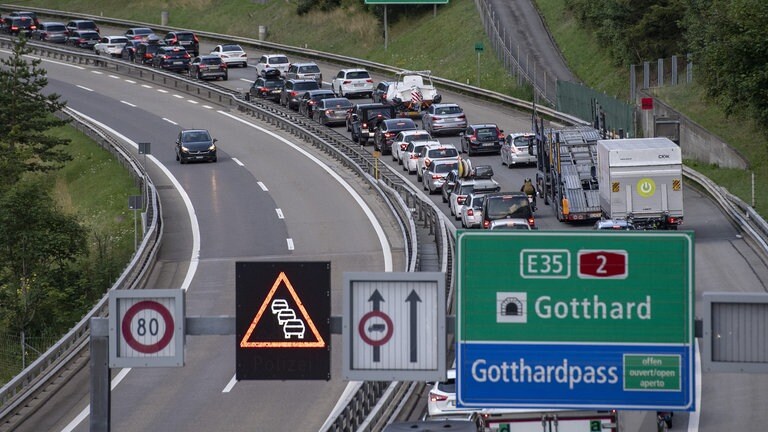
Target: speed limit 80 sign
{"x": 146, "y": 328}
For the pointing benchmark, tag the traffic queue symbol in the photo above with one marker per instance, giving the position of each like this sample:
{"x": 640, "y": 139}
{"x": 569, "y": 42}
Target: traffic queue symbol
{"x": 603, "y": 264}
{"x": 285, "y": 316}
{"x": 147, "y": 327}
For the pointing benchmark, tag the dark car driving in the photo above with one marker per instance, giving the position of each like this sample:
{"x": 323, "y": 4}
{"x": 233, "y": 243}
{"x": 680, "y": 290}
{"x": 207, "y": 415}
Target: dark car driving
{"x": 195, "y": 145}
{"x": 482, "y": 138}
{"x": 507, "y": 205}
{"x": 386, "y": 131}
{"x": 267, "y": 87}
{"x": 83, "y": 39}
{"x": 207, "y": 67}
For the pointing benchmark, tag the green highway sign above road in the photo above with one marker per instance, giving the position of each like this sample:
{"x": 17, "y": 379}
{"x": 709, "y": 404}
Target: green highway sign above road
{"x": 576, "y": 287}
{"x": 575, "y": 320}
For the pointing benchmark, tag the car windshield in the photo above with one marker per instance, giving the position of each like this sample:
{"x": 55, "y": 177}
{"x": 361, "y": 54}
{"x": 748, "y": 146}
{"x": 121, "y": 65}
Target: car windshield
{"x": 445, "y": 168}
{"x": 477, "y": 201}
{"x": 231, "y": 48}
{"x": 448, "y": 110}
{"x": 142, "y": 31}
{"x": 116, "y": 40}
{"x": 486, "y": 133}
{"x": 358, "y": 75}
{"x": 447, "y": 386}
{"x": 466, "y": 189}
{"x": 444, "y": 152}
{"x": 337, "y": 103}
{"x": 277, "y": 60}
{"x": 195, "y": 136}
{"x": 56, "y": 27}
{"x": 507, "y": 206}
{"x": 401, "y": 125}
{"x": 309, "y": 69}
{"x": 185, "y": 36}
{"x": 307, "y": 85}
{"x": 86, "y": 25}
{"x": 417, "y": 137}
{"x": 89, "y": 35}
{"x": 374, "y": 112}
{"x": 273, "y": 83}
{"x": 523, "y": 141}
{"x": 211, "y": 60}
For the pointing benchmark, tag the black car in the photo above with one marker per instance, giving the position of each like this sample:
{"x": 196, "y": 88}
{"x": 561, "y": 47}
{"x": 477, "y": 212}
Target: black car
{"x": 28, "y": 14}
{"x": 18, "y": 25}
{"x": 185, "y": 39}
{"x": 83, "y": 39}
{"x": 311, "y": 98}
{"x": 195, "y": 145}
{"x": 363, "y": 118}
{"x": 268, "y": 88}
{"x": 482, "y": 138}
{"x": 129, "y": 50}
{"x": 55, "y": 32}
{"x": 81, "y": 24}
{"x": 386, "y": 131}
{"x": 173, "y": 58}
{"x": 145, "y": 52}
{"x": 507, "y": 205}
{"x": 293, "y": 89}
{"x": 380, "y": 92}
{"x": 207, "y": 67}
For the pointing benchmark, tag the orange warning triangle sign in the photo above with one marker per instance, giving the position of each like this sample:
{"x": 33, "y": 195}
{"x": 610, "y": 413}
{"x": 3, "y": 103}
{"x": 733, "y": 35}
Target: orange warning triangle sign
{"x": 319, "y": 342}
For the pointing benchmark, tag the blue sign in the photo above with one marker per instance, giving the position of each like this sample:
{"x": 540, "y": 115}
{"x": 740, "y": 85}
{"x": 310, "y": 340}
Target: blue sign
{"x": 596, "y": 376}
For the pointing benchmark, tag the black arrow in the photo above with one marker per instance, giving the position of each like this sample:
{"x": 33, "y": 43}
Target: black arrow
{"x": 413, "y": 299}
{"x": 377, "y": 299}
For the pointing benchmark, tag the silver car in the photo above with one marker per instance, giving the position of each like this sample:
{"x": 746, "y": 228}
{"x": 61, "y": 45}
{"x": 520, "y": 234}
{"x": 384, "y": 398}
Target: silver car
{"x": 433, "y": 178}
{"x": 518, "y": 148}
{"x": 444, "y": 117}
{"x": 472, "y": 216}
{"x": 331, "y": 111}
{"x": 111, "y": 46}
{"x": 54, "y": 32}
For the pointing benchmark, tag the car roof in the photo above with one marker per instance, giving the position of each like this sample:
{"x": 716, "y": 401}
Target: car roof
{"x": 305, "y": 64}
{"x": 320, "y": 92}
{"x": 51, "y": 23}
{"x": 208, "y": 56}
{"x": 483, "y": 125}
{"x": 354, "y": 70}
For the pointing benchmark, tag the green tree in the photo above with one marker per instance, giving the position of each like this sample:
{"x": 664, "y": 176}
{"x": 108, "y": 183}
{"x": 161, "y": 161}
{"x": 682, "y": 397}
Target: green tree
{"x": 25, "y": 117}
{"x": 730, "y": 49}
{"x": 39, "y": 246}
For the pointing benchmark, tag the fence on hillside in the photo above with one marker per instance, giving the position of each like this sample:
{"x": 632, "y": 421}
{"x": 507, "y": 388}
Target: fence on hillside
{"x": 13, "y": 359}
{"x": 671, "y": 71}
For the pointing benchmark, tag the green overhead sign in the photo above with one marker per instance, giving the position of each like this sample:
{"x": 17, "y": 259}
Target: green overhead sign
{"x": 576, "y": 287}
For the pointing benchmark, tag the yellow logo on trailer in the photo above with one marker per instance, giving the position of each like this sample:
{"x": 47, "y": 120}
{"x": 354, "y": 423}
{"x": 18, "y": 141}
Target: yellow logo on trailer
{"x": 646, "y": 187}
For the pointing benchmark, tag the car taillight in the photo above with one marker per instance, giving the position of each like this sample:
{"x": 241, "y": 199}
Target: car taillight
{"x": 328, "y": 112}
{"x": 14, "y": 28}
{"x": 486, "y": 224}
{"x": 370, "y": 81}
{"x": 460, "y": 199}
{"x": 501, "y": 136}
{"x": 532, "y": 222}
{"x": 435, "y": 397}
{"x": 294, "y": 93}
{"x": 427, "y": 162}
{"x": 462, "y": 117}
{"x": 243, "y": 55}
{"x": 436, "y": 176}
{"x": 263, "y": 89}
{"x": 223, "y": 65}
{"x": 673, "y": 220}
{"x": 388, "y": 135}
{"x": 403, "y": 146}
{"x": 470, "y": 212}
{"x": 473, "y": 137}
{"x": 413, "y": 156}
{"x": 186, "y": 56}
{"x": 195, "y": 38}
{"x": 346, "y": 82}
{"x": 311, "y": 102}
{"x": 32, "y": 28}
{"x": 364, "y": 125}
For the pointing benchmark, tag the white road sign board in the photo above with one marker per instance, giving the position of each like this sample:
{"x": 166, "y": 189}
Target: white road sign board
{"x": 394, "y": 326}
{"x": 146, "y": 328}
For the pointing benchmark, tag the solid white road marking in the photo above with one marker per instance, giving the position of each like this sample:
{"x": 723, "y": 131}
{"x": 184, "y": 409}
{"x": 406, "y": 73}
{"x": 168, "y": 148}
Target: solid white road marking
{"x": 279, "y": 213}
{"x": 178, "y": 96}
{"x": 290, "y": 243}
{"x": 128, "y": 103}
{"x": 162, "y": 91}
{"x": 262, "y": 186}
{"x": 130, "y": 81}
{"x": 97, "y": 72}
{"x": 230, "y": 385}
{"x": 170, "y": 121}
{"x": 114, "y": 76}
{"x": 237, "y": 161}
{"x": 193, "y": 101}
{"x": 84, "y": 88}
{"x": 146, "y": 86}
{"x": 207, "y": 107}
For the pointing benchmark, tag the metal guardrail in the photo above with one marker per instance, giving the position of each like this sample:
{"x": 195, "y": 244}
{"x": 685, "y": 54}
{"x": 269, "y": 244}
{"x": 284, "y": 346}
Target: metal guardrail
{"x": 454, "y": 86}
{"x": 30, "y": 381}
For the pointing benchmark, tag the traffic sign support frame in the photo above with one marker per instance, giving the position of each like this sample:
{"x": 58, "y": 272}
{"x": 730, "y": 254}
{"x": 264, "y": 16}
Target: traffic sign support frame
{"x": 166, "y": 349}
{"x": 394, "y": 326}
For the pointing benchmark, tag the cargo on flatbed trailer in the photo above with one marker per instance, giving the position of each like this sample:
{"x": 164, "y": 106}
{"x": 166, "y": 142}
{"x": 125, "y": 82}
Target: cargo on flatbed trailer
{"x": 554, "y": 420}
{"x": 566, "y": 171}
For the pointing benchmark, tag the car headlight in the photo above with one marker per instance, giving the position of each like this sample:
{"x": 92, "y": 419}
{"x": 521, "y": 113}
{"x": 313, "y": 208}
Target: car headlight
{"x": 184, "y": 149}
{"x": 212, "y": 147}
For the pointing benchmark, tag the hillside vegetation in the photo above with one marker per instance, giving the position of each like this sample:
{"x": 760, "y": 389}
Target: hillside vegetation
{"x": 444, "y": 42}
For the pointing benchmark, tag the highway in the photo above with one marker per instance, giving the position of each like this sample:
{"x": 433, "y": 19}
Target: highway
{"x": 238, "y": 221}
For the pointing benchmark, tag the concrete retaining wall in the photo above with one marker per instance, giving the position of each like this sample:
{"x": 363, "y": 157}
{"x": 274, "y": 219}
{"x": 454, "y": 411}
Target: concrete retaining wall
{"x": 695, "y": 142}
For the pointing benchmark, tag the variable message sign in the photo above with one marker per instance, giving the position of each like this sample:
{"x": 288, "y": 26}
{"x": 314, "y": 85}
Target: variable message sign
{"x": 596, "y": 320}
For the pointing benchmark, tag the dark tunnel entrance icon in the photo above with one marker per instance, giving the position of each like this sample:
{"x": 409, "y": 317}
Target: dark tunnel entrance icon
{"x": 511, "y": 306}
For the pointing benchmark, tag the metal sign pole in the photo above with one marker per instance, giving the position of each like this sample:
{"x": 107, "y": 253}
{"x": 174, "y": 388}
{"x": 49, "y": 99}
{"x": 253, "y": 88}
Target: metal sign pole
{"x": 100, "y": 395}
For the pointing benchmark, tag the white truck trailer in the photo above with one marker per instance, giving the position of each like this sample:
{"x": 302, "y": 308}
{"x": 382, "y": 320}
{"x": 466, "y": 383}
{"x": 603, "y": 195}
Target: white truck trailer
{"x": 641, "y": 181}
